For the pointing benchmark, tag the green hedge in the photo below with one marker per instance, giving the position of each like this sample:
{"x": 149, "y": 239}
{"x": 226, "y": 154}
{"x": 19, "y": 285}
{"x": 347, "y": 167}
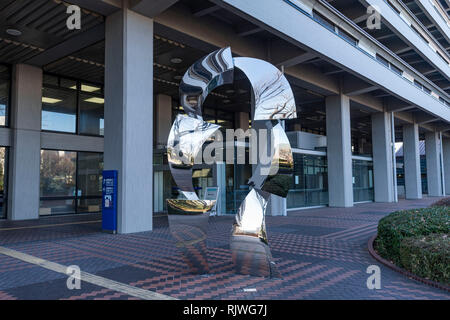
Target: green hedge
{"x": 427, "y": 256}
{"x": 397, "y": 226}
{"x": 443, "y": 202}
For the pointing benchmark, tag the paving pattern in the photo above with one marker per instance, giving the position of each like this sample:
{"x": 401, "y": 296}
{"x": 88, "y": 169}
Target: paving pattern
{"x": 321, "y": 254}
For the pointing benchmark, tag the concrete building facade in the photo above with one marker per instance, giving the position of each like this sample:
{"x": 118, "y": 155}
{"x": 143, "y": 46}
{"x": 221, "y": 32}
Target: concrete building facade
{"x": 74, "y": 102}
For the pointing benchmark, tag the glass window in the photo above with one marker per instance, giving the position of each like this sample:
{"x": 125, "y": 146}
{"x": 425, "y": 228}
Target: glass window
{"x": 72, "y": 106}
{"x": 92, "y": 114}
{"x": 426, "y": 90}
{"x": 69, "y": 84}
{"x": 3, "y": 170}
{"x": 59, "y": 109}
{"x": 347, "y": 37}
{"x": 310, "y": 181}
{"x": 362, "y": 180}
{"x": 57, "y": 173}
{"x": 5, "y": 85}
{"x": 50, "y": 80}
{"x": 89, "y": 181}
{"x": 323, "y": 21}
{"x": 70, "y": 182}
{"x": 396, "y": 70}
{"x": 57, "y": 182}
{"x": 382, "y": 60}
{"x": 418, "y": 84}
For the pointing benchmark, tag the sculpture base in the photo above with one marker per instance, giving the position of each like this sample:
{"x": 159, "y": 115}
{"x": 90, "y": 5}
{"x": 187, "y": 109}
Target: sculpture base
{"x": 251, "y": 256}
{"x": 188, "y": 224}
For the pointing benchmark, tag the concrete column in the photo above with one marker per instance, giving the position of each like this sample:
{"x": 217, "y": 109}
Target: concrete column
{"x": 339, "y": 151}
{"x": 382, "y": 157}
{"x": 220, "y": 178}
{"x": 242, "y": 120}
{"x": 446, "y": 163}
{"x": 411, "y": 160}
{"x": 433, "y": 156}
{"x": 163, "y": 119}
{"x": 277, "y": 205}
{"x": 297, "y": 127}
{"x": 129, "y": 116}
{"x": 24, "y": 159}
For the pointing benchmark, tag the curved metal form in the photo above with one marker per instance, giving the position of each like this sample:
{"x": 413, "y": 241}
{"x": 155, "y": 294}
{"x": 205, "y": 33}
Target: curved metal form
{"x": 273, "y": 100}
{"x": 203, "y": 77}
{"x": 186, "y": 139}
{"x": 273, "y": 96}
{"x": 188, "y": 223}
{"x": 188, "y": 218}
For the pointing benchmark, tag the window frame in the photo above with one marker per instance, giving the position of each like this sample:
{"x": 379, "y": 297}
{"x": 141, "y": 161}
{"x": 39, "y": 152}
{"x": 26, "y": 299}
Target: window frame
{"x": 78, "y": 91}
{"x": 8, "y": 105}
{"x": 75, "y": 197}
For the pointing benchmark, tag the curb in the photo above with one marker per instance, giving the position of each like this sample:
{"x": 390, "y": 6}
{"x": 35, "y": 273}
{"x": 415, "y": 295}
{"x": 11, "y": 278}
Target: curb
{"x": 404, "y": 272}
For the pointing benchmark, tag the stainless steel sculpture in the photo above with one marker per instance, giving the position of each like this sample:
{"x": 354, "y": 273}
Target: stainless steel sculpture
{"x": 188, "y": 218}
{"x": 273, "y": 100}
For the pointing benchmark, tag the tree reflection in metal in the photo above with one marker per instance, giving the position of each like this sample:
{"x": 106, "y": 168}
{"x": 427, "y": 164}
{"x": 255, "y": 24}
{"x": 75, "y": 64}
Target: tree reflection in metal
{"x": 273, "y": 101}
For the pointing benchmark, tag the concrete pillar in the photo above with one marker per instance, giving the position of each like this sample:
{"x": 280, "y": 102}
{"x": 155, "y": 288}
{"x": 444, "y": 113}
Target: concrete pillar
{"x": 382, "y": 157}
{"x": 446, "y": 163}
{"x": 129, "y": 116}
{"x": 24, "y": 159}
{"x": 277, "y": 205}
{"x": 242, "y": 120}
{"x": 339, "y": 151}
{"x": 433, "y": 157}
{"x": 411, "y": 160}
{"x": 163, "y": 119}
{"x": 220, "y": 178}
{"x": 297, "y": 127}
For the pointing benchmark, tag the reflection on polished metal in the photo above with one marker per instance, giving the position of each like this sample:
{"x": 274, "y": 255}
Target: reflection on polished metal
{"x": 188, "y": 223}
{"x": 273, "y": 97}
{"x": 188, "y": 218}
{"x": 203, "y": 77}
{"x": 273, "y": 101}
{"x": 249, "y": 244}
{"x": 185, "y": 142}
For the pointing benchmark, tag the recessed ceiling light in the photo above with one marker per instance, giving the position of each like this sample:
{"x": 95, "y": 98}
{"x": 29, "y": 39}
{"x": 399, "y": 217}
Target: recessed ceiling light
{"x": 87, "y": 88}
{"x": 13, "y": 32}
{"x": 50, "y": 100}
{"x": 95, "y": 100}
{"x": 176, "y": 60}
{"x": 230, "y": 91}
{"x": 178, "y": 77}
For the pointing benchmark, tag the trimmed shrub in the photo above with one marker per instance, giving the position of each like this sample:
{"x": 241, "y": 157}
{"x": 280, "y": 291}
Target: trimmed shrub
{"x": 397, "y": 226}
{"x": 427, "y": 256}
{"x": 443, "y": 202}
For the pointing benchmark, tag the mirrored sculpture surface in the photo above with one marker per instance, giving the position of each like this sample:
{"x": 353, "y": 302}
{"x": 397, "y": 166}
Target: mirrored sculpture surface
{"x": 188, "y": 218}
{"x": 188, "y": 223}
{"x": 273, "y": 101}
{"x": 203, "y": 77}
{"x": 186, "y": 139}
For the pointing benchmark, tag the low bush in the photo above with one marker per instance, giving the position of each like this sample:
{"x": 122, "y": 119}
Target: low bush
{"x": 427, "y": 256}
{"x": 443, "y": 202}
{"x": 397, "y": 226}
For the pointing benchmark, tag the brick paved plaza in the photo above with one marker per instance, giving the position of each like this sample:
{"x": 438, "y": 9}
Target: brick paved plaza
{"x": 321, "y": 253}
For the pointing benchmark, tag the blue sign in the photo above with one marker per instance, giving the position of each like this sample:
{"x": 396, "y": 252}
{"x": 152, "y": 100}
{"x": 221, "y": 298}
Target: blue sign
{"x": 109, "y": 200}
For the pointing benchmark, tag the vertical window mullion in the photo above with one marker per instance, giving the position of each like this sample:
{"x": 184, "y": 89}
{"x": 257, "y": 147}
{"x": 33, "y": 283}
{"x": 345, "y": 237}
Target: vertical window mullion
{"x": 76, "y": 182}
{"x": 77, "y": 128}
